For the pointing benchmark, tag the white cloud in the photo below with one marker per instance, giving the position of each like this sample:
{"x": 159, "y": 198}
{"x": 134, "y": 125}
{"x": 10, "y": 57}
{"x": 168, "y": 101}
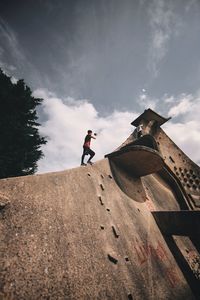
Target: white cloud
{"x": 14, "y": 79}
{"x": 143, "y": 97}
{"x": 7, "y": 68}
{"x": 184, "y": 128}
{"x": 145, "y": 101}
{"x": 66, "y": 126}
{"x": 184, "y": 106}
{"x": 168, "y": 99}
{"x": 164, "y": 24}
{"x": 187, "y": 137}
{"x": 67, "y": 122}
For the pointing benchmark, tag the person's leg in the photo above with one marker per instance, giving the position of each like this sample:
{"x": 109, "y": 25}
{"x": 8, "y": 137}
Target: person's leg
{"x": 92, "y": 154}
{"x": 83, "y": 155}
{"x": 82, "y": 158}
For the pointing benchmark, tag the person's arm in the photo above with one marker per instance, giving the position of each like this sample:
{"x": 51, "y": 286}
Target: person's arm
{"x": 94, "y": 137}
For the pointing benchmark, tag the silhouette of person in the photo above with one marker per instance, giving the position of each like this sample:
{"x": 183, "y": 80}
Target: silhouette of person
{"x": 86, "y": 148}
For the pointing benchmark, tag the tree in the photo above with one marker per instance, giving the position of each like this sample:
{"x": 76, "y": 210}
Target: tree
{"x": 20, "y": 141}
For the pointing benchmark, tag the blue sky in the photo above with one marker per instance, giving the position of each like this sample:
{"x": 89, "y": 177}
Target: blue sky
{"x": 104, "y": 62}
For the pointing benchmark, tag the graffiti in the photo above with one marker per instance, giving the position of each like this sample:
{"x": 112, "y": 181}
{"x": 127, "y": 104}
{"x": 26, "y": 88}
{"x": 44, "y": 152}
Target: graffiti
{"x": 147, "y": 251}
{"x": 172, "y": 277}
{"x": 149, "y": 204}
{"x": 160, "y": 251}
{"x": 141, "y": 254}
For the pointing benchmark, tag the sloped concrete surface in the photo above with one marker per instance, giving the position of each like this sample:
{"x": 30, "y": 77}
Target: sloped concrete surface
{"x": 77, "y": 235}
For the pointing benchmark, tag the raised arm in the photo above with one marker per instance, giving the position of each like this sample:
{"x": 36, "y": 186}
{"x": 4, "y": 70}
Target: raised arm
{"x": 94, "y": 137}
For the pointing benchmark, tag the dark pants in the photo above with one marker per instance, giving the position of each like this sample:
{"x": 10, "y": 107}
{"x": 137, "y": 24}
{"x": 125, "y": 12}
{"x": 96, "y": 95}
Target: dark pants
{"x": 87, "y": 151}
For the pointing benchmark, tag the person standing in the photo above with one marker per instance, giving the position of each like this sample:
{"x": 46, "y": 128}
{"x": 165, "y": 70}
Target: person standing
{"x": 86, "y": 148}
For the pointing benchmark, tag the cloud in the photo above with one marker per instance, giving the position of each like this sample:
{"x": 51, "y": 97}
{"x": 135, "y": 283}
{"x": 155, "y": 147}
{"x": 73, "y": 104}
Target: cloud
{"x": 13, "y": 59}
{"x": 145, "y": 101}
{"x": 67, "y": 121}
{"x": 168, "y": 99}
{"x": 66, "y": 125}
{"x": 184, "y": 128}
{"x": 186, "y": 136}
{"x": 164, "y": 24}
{"x": 8, "y": 68}
{"x": 190, "y": 4}
{"x": 184, "y": 106}
{"x": 11, "y": 46}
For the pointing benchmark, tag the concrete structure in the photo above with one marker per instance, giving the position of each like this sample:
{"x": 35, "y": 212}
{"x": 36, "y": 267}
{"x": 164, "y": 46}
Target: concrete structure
{"x": 127, "y": 227}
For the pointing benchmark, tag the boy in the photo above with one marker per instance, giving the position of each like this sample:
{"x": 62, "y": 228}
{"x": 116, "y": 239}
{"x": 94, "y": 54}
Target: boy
{"x": 86, "y": 148}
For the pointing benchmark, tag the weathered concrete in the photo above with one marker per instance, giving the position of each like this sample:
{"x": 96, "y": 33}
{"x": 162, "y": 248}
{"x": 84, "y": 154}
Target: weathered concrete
{"x": 138, "y": 160}
{"x": 149, "y": 115}
{"x": 91, "y": 233}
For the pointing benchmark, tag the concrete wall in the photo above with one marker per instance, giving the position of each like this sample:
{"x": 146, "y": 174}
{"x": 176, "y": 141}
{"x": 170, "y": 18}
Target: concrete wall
{"x": 98, "y": 232}
{"x": 77, "y": 235}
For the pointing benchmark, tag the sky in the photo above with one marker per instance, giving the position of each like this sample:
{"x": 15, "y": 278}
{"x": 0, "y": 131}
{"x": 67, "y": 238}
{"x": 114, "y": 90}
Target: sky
{"x": 98, "y": 64}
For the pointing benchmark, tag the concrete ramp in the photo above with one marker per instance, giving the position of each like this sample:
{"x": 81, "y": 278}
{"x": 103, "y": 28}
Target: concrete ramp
{"x": 76, "y": 235}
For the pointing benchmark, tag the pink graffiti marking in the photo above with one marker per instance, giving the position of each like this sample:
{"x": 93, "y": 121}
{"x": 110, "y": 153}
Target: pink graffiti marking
{"x": 149, "y": 204}
{"x": 172, "y": 277}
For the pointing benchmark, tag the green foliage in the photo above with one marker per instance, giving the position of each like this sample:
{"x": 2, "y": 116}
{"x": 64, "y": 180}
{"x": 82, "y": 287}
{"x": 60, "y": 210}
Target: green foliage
{"x": 19, "y": 136}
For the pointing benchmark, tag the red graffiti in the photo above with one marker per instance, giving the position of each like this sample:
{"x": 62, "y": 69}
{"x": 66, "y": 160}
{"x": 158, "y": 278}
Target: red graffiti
{"x": 141, "y": 255}
{"x": 150, "y": 204}
{"x": 146, "y": 251}
{"x": 160, "y": 252}
{"x": 172, "y": 277}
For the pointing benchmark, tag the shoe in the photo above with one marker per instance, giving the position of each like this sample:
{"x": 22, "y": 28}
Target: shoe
{"x": 83, "y": 164}
{"x": 90, "y": 163}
